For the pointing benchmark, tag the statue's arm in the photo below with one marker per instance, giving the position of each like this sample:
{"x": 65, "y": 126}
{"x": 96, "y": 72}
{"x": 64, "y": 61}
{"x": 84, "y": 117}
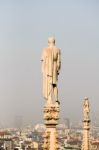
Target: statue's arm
{"x": 59, "y": 61}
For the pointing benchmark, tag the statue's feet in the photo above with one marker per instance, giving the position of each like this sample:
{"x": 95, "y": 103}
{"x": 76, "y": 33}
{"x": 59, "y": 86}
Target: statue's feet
{"x": 49, "y": 102}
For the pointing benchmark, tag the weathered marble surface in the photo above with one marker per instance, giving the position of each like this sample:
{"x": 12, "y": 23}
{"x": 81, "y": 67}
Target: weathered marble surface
{"x": 51, "y": 64}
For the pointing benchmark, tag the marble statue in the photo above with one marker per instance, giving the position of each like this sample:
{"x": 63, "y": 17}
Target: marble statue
{"x": 51, "y": 64}
{"x": 86, "y": 109}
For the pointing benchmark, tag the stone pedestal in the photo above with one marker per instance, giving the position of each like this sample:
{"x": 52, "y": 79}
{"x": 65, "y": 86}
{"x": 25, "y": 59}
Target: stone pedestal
{"x": 86, "y": 137}
{"x": 51, "y": 117}
{"x": 86, "y": 125}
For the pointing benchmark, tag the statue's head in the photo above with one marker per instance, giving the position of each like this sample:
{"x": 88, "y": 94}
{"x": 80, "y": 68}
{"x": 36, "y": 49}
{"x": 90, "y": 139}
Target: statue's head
{"x": 51, "y": 41}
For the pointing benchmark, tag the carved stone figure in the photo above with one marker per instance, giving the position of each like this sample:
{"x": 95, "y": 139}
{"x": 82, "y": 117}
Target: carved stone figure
{"x": 86, "y": 108}
{"x": 51, "y": 64}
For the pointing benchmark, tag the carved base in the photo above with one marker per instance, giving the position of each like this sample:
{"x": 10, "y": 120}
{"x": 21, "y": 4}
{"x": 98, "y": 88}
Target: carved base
{"x": 51, "y": 117}
{"x": 51, "y": 114}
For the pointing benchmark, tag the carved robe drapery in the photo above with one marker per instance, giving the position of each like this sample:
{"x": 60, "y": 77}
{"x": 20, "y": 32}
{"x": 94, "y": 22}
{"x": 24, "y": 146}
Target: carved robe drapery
{"x": 86, "y": 109}
{"x": 50, "y": 68}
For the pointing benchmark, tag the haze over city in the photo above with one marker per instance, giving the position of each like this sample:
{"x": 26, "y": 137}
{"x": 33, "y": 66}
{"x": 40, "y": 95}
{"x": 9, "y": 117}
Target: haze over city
{"x": 24, "y": 30}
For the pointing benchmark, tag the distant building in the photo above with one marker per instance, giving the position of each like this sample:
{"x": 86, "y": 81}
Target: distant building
{"x": 18, "y": 122}
{"x": 67, "y": 123}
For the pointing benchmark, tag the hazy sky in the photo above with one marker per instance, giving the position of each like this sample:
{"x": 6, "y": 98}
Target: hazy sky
{"x": 25, "y": 26}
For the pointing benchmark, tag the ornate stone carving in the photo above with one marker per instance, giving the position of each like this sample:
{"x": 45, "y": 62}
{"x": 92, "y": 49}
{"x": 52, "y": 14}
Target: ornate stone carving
{"x": 56, "y": 141}
{"x": 46, "y": 144}
{"x": 51, "y": 114}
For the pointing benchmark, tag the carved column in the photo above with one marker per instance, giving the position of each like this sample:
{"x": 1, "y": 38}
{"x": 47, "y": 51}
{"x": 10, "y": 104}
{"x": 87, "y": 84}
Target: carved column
{"x": 51, "y": 116}
{"x": 86, "y": 125}
{"x": 51, "y": 64}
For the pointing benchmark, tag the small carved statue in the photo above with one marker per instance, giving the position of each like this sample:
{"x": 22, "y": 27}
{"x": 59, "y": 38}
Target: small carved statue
{"x": 86, "y": 109}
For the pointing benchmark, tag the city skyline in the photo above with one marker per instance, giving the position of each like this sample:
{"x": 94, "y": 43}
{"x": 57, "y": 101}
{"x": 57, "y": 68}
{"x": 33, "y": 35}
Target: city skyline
{"x": 25, "y": 27}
